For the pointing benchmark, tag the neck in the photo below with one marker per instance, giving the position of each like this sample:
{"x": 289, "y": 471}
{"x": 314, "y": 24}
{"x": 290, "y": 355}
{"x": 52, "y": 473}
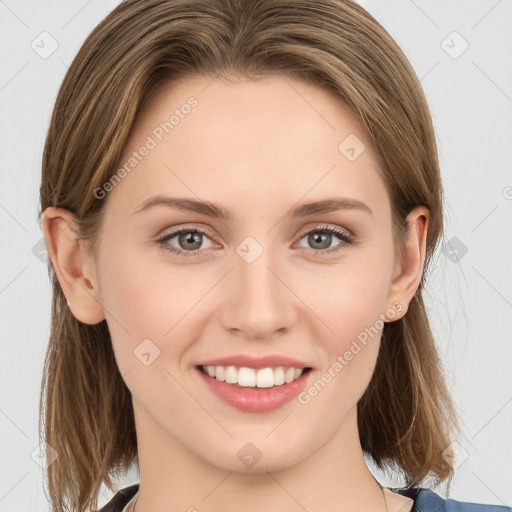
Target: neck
{"x": 331, "y": 477}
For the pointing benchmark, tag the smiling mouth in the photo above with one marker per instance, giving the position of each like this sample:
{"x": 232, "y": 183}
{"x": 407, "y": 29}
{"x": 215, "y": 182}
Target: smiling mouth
{"x": 264, "y": 395}
{"x": 245, "y": 377}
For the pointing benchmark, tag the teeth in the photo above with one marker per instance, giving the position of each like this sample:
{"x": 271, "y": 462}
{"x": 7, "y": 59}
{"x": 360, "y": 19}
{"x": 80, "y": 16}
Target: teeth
{"x": 249, "y": 377}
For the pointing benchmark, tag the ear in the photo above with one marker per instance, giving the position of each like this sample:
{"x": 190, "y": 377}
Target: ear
{"x": 407, "y": 275}
{"x": 73, "y": 266}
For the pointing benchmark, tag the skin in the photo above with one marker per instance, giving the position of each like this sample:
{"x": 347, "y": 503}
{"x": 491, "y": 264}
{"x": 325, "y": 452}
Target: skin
{"x": 258, "y": 148}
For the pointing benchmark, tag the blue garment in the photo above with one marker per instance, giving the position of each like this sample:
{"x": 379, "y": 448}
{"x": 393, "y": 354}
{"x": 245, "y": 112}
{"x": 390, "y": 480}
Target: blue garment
{"x": 425, "y": 500}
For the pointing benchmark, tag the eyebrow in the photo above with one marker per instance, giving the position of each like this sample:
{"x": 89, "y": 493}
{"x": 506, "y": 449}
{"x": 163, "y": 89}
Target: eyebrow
{"x": 328, "y": 205}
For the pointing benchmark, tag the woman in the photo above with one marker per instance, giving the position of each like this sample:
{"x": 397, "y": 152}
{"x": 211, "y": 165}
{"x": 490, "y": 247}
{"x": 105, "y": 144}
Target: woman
{"x": 291, "y": 145}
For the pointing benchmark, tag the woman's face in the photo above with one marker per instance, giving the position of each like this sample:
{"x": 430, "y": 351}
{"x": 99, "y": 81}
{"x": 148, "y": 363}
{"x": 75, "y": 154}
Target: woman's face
{"x": 259, "y": 281}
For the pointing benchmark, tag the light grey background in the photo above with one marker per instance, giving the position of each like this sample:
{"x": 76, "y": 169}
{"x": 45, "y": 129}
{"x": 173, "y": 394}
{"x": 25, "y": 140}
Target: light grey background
{"x": 469, "y": 293}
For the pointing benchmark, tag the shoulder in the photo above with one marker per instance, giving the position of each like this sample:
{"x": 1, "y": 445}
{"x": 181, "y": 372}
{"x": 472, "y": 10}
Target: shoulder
{"x": 120, "y": 499}
{"x": 426, "y": 500}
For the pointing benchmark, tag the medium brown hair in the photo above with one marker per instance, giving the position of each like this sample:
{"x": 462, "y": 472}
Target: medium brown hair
{"x": 406, "y": 415}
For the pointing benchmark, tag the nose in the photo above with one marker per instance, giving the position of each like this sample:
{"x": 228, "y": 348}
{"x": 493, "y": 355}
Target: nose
{"x": 260, "y": 303}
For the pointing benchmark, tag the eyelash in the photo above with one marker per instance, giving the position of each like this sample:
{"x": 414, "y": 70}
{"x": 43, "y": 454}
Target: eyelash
{"x": 342, "y": 235}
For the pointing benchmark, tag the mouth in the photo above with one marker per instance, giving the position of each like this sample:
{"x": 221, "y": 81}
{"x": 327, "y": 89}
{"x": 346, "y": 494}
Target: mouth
{"x": 255, "y": 394}
{"x": 262, "y": 378}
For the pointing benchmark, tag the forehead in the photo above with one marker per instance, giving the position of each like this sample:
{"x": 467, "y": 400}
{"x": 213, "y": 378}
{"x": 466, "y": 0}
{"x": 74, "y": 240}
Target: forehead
{"x": 274, "y": 138}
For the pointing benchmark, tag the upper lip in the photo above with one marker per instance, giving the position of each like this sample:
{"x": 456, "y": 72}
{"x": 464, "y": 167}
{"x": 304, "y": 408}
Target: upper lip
{"x": 256, "y": 362}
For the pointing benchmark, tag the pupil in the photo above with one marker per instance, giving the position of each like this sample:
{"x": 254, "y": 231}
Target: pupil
{"x": 317, "y": 237}
{"x": 190, "y": 238}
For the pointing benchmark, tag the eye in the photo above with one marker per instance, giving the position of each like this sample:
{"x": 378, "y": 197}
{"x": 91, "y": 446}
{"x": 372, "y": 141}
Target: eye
{"x": 190, "y": 240}
{"x": 322, "y": 237}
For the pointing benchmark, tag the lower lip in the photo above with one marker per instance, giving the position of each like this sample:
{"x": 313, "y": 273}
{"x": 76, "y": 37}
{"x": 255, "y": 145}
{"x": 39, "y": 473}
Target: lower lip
{"x": 255, "y": 399}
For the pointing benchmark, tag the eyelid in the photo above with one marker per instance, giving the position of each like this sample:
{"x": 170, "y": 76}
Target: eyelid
{"x": 187, "y": 227}
{"x": 326, "y": 227}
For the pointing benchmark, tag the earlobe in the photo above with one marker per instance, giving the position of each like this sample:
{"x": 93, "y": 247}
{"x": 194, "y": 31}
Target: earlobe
{"x": 73, "y": 267}
{"x": 407, "y": 281}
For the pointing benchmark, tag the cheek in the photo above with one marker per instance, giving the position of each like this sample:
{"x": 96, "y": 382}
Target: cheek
{"x": 350, "y": 345}
{"x": 137, "y": 288}
{"x": 350, "y": 301}
{"x": 148, "y": 323}
{"x": 347, "y": 298}
{"x": 146, "y": 299}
